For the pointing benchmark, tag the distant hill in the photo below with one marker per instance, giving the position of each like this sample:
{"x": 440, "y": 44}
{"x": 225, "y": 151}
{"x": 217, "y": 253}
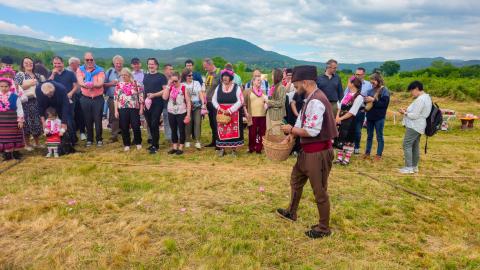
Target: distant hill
{"x": 232, "y": 49}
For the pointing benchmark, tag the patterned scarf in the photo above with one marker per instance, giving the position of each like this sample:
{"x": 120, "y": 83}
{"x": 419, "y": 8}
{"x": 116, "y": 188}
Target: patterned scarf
{"x": 257, "y": 91}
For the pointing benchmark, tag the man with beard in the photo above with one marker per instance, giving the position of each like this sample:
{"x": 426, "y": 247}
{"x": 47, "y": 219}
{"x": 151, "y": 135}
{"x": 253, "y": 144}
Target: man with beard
{"x": 316, "y": 128}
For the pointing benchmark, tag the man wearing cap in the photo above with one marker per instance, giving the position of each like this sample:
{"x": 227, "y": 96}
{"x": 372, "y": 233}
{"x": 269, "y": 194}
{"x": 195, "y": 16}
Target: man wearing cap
{"x": 316, "y": 128}
{"x": 137, "y": 70}
{"x": 7, "y": 62}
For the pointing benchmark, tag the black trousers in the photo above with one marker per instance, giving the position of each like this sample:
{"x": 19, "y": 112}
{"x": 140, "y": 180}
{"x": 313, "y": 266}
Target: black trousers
{"x": 212, "y": 118}
{"x": 92, "y": 112}
{"x": 153, "y": 121}
{"x": 130, "y": 118}
{"x": 178, "y": 126}
{"x": 78, "y": 114}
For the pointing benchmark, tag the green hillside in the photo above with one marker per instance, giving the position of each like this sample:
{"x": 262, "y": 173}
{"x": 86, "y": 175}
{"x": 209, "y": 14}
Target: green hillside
{"x": 231, "y": 49}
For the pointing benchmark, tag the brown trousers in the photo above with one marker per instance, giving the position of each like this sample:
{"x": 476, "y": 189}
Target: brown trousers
{"x": 315, "y": 167}
{"x": 114, "y": 123}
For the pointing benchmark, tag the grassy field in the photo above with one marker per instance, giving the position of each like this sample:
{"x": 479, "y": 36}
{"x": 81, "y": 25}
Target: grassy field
{"x": 105, "y": 209}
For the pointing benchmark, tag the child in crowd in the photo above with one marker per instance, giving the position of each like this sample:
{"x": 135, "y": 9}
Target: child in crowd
{"x": 53, "y": 132}
{"x": 345, "y": 119}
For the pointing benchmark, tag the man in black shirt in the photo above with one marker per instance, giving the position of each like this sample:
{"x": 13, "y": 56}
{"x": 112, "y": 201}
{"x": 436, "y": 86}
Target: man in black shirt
{"x": 69, "y": 80}
{"x": 154, "y": 83}
{"x": 331, "y": 84}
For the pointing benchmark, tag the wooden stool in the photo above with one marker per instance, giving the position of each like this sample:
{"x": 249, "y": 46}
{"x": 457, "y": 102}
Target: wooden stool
{"x": 467, "y": 123}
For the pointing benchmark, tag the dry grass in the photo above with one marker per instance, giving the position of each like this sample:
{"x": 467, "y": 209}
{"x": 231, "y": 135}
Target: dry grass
{"x": 104, "y": 209}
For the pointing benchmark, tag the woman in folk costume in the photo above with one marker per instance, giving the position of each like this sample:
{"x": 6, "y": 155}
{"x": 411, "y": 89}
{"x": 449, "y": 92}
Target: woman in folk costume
{"x": 255, "y": 102}
{"x": 276, "y": 102}
{"x": 349, "y": 107}
{"x": 228, "y": 100}
{"x": 316, "y": 128}
{"x": 11, "y": 120}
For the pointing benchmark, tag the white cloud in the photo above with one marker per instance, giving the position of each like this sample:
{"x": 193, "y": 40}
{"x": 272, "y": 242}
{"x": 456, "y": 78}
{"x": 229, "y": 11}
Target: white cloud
{"x": 72, "y": 40}
{"x": 126, "y": 38}
{"x": 349, "y": 30}
{"x": 13, "y": 29}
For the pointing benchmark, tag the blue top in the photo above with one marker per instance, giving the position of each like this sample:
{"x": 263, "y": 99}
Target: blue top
{"x": 366, "y": 86}
{"x": 66, "y": 78}
{"x": 197, "y": 77}
{"x": 59, "y": 101}
{"x": 379, "y": 109}
{"x": 111, "y": 75}
{"x": 332, "y": 87}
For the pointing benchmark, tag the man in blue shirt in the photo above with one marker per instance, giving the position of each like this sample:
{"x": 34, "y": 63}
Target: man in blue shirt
{"x": 331, "y": 84}
{"x": 112, "y": 76}
{"x": 189, "y": 64}
{"x": 360, "y": 117}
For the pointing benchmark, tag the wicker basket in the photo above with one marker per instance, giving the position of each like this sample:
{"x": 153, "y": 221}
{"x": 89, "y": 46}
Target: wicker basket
{"x": 223, "y": 119}
{"x": 274, "y": 148}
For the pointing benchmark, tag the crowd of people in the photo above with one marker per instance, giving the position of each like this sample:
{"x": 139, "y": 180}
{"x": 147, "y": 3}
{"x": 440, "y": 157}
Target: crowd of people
{"x": 68, "y": 104}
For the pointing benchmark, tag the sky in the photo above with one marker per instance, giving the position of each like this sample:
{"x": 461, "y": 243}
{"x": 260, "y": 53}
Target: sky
{"x": 350, "y": 31}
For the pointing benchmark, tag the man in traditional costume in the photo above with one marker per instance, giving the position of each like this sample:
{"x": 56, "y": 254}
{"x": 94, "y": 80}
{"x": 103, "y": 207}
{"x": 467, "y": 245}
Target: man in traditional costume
{"x": 316, "y": 128}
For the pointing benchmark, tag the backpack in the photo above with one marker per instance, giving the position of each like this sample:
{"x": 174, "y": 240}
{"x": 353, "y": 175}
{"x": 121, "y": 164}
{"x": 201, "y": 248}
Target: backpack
{"x": 434, "y": 122}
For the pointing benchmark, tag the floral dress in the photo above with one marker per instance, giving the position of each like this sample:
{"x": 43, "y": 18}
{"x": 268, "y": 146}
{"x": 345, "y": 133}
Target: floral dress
{"x": 33, "y": 125}
{"x": 128, "y": 95}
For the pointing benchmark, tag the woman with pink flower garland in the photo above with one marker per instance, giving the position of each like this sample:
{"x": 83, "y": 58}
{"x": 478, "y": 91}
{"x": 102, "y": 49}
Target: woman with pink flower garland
{"x": 276, "y": 102}
{"x": 129, "y": 105}
{"x": 179, "y": 109}
{"x": 349, "y": 107}
{"x": 11, "y": 120}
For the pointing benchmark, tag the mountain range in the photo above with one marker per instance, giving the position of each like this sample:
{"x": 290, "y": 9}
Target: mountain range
{"x": 231, "y": 49}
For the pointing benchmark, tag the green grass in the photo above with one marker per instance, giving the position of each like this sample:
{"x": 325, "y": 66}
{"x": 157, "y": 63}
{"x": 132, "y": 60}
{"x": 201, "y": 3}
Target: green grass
{"x": 127, "y": 210}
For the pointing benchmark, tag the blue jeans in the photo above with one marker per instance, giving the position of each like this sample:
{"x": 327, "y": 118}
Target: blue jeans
{"x": 359, "y": 119}
{"x": 378, "y": 126}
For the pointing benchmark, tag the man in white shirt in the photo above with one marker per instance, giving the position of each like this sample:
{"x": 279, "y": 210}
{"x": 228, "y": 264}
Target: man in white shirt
{"x": 316, "y": 128}
{"x": 415, "y": 122}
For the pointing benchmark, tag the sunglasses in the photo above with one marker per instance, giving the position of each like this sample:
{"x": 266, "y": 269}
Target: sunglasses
{"x": 88, "y": 60}
{"x": 175, "y": 81}
{"x": 359, "y": 74}
{"x": 190, "y": 75}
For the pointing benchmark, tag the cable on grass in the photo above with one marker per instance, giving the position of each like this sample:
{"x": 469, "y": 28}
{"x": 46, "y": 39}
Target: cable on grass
{"x": 11, "y": 165}
{"x": 397, "y": 186}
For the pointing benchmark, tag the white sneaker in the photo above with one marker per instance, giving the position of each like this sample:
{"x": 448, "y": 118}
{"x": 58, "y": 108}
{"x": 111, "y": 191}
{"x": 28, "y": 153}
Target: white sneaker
{"x": 83, "y": 137}
{"x": 415, "y": 169}
{"x": 198, "y": 145}
{"x": 29, "y": 148}
{"x": 187, "y": 144}
{"x": 49, "y": 154}
{"x": 126, "y": 148}
{"x": 139, "y": 146}
{"x": 356, "y": 151}
{"x": 55, "y": 155}
{"x": 406, "y": 170}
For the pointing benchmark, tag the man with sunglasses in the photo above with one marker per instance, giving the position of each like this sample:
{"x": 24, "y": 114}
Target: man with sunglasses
{"x": 360, "y": 117}
{"x": 91, "y": 77}
{"x": 331, "y": 84}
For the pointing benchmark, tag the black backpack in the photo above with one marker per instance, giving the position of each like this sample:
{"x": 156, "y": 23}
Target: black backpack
{"x": 434, "y": 122}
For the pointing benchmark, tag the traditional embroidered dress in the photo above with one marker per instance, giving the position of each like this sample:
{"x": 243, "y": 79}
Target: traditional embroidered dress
{"x": 230, "y": 135}
{"x": 11, "y": 113}
{"x": 52, "y": 131}
{"x": 351, "y": 103}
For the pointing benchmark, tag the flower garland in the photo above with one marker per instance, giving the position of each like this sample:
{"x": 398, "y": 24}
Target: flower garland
{"x": 257, "y": 91}
{"x": 4, "y": 103}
